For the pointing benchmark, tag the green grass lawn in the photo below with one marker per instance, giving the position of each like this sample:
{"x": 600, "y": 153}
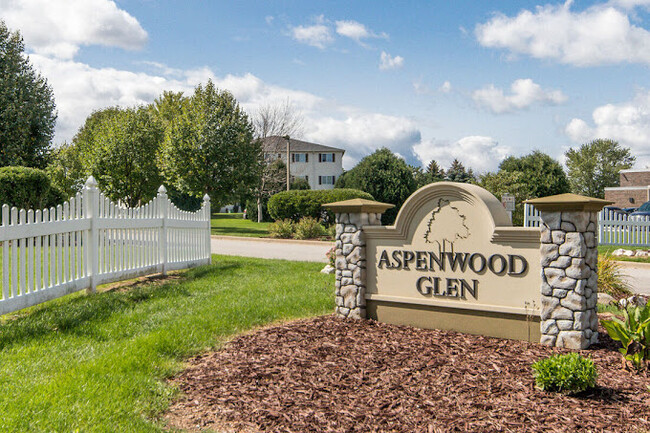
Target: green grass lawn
{"x": 99, "y": 363}
{"x": 608, "y": 249}
{"x": 233, "y": 224}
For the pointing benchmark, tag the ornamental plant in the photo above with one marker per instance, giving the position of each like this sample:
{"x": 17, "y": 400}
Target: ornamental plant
{"x": 634, "y": 334}
{"x": 309, "y": 228}
{"x": 569, "y": 373}
{"x": 610, "y": 278}
{"x": 282, "y": 229}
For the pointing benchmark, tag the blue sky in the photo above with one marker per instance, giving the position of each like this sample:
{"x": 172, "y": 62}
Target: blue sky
{"x": 472, "y": 80}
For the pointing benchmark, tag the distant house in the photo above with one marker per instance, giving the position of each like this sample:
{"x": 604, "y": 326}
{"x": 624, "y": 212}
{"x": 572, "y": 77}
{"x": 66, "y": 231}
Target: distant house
{"x": 634, "y": 189}
{"x": 317, "y": 164}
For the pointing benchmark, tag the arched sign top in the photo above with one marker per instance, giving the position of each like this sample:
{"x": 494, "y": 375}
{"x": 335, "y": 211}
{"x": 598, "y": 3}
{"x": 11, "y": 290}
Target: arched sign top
{"x": 486, "y": 208}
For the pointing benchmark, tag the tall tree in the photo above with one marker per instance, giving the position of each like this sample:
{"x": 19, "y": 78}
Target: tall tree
{"x": 120, "y": 147}
{"x": 544, "y": 174}
{"x": 27, "y": 109}
{"x": 511, "y": 182}
{"x": 280, "y": 119}
{"x": 383, "y": 175}
{"x": 210, "y": 148}
{"x": 435, "y": 172}
{"x": 596, "y": 165}
{"x": 458, "y": 173}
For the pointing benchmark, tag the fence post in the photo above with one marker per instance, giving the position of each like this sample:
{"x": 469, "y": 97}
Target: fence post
{"x": 163, "y": 203}
{"x": 91, "y": 205}
{"x": 206, "y": 205}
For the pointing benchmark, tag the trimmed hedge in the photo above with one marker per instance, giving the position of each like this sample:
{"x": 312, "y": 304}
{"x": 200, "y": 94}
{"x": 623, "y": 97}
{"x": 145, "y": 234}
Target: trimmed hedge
{"x": 297, "y": 204}
{"x": 27, "y": 188}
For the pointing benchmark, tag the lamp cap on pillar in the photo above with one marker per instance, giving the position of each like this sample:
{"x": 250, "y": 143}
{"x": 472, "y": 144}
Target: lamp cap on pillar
{"x": 568, "y": 202}
{"x": 358, "y": 205}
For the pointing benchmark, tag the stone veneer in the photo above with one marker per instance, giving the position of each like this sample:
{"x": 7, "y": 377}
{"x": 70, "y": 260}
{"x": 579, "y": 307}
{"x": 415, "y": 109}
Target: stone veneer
{"x": 569, "y": 260}
{"x": 351, "y": 263}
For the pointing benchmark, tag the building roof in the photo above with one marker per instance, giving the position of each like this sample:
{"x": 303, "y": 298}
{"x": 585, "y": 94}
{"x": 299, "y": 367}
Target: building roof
{"x": 277, "y": 144}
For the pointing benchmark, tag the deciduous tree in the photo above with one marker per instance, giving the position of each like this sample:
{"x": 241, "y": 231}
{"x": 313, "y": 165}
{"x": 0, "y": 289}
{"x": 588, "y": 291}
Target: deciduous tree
{"x": 596, "y": 165}
{"x": 210, "y": 148}
{"x": 384, "y": 176}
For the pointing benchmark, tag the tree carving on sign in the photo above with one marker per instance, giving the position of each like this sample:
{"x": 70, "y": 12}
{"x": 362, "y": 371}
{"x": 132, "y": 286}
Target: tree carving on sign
{"x": 455, "y": 230}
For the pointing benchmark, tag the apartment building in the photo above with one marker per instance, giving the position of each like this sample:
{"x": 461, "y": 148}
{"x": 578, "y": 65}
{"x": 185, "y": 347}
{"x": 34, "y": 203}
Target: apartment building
{"x": 634, "y": 189}
{"x": 319, "y": 165}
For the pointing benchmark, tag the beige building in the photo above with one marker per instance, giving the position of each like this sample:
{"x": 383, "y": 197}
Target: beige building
{"x": 319, "y": 165}
{"x": 634, "y": 189}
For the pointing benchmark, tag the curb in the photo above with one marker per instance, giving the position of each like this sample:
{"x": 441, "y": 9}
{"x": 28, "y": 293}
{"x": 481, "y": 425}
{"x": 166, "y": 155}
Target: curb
{"x": 271, "y": 240}
{"x": 636, "y": 265}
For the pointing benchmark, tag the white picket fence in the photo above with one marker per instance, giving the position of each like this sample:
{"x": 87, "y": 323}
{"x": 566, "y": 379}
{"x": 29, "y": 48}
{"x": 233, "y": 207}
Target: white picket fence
{"x": 614, "y": 228}
{"x": 89, "y": 240}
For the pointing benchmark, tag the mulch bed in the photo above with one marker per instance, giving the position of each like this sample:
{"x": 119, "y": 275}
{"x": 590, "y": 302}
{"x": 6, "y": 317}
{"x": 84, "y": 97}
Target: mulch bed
{"x": 332, "y": 375}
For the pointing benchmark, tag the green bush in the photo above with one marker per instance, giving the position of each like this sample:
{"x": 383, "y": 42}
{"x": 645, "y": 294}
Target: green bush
{"x": 633, "y": 333}
{"x": 570, "y": 373}
{"x": 27, "y": 188}
{"x": 282, "y": 229}
{"x": 297, "y": 204}
{"x": 309, "y": 228}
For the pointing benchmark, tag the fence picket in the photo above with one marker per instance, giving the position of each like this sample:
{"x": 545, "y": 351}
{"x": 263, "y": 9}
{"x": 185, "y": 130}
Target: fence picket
{"x": 614, "y": 228}
{"x": 90, "y": 240}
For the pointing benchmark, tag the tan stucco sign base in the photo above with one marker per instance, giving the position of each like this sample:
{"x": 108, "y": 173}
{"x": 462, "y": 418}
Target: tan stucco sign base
{"x": 453, "y": 261}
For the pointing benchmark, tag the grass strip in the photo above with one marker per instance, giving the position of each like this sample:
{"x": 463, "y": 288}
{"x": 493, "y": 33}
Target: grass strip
{"x": 99, "y": 363}
{"x": 233, "y": 224}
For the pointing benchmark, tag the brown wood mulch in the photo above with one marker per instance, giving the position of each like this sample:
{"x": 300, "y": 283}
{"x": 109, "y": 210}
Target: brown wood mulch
{"x": 332, "y": 375}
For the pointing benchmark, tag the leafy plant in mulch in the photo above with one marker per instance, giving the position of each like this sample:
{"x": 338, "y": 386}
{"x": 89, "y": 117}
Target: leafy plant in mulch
{"x": 569, "y": 373}
{"x": 610, "y": 279}
{"x": 282, "y": 229}
{"x": 634, "y": 334}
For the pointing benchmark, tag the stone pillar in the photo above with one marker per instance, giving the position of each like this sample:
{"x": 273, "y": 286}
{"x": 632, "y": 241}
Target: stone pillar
{"x": 569, "y": 259}
{"x": 350, "y": 287}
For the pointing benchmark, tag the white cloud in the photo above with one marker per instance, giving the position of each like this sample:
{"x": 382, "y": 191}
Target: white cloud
{"x": 362, "y": 133}
{"x": 318, "y": 35}
{"x": 60, "y": 27}
{"x": 627, "y": 122}
{"x": 80, "y": 89}
{"x": 479, "y": 153}
{"x": 389, "y": 62}
{"x": 523, "y": 94}
{"x": 445, "y": 87}
{"x": 269, "y": 19}
{"x": 357, "y": 31}
{"x": 601, "y": 34}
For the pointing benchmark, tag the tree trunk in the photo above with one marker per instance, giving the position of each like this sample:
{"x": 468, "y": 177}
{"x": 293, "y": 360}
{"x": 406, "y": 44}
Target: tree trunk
{"x": 259, "y": 210}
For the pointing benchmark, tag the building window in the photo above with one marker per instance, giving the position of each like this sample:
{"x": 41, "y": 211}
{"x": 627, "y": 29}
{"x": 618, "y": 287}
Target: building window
{"x": 299, "y": 157}
{"x": 326, "y": 157}
{"x": 326, "y": 180}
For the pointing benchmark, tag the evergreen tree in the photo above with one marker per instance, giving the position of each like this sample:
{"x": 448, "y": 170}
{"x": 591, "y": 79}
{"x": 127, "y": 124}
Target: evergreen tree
{"x": 458, "y": 173}
{"x": 27, "y": 115}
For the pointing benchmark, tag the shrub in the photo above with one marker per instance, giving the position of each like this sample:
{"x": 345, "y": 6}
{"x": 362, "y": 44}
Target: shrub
{"x": 569, "y": 373}
{"x": 309, "y": 228}
{"x": 634, "y": 335}
{"x": 610, "y": 279}
{"x": 27, "y": 188}
{"x": 281, "y": 229}
{"x": 297, "y": 204}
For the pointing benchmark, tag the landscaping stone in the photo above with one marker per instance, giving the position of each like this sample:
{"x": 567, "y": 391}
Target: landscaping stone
{"x": 569, "y": 279}
{"x": 351, "y": 261}
{"x": 328, "y": 269}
